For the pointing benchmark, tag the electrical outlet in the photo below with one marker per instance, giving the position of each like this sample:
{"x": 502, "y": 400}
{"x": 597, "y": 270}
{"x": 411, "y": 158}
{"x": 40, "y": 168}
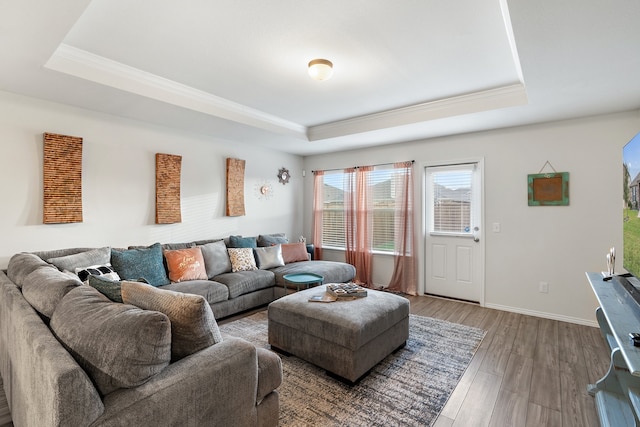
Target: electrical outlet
{"x": 496, "y": 227}
{"x": 544, "y": 287}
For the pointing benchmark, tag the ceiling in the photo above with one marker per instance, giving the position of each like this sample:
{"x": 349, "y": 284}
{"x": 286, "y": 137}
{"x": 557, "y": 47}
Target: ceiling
{"x": 235, "y": 70}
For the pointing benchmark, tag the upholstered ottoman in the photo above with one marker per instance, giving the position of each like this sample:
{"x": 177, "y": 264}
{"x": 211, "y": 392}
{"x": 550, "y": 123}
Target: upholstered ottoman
{"x": 347, "y": 338}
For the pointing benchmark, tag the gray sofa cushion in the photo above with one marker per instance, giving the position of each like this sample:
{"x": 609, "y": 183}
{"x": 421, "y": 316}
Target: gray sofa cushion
{"x": 193, "y": 326}
{"x": 118, "y": 345}
{"x": 244, "y": 282}
{"x": 46, "y": 286}
{"x": 142, "y": 263}
{"x": 174, "y": 246}
{"x": 272, "y": 239}
{"x": 22, "y": 264}
{"x": 216, "y": 258}
{"x": 98, "y": 256}
{"x": 333, "y": 272}
{"x": 212, "y": 291}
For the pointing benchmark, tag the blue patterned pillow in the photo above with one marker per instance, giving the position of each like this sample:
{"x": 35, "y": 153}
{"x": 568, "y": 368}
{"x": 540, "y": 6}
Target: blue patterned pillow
{"x": 242, "y": 242}
{"x": 145, "y": 264}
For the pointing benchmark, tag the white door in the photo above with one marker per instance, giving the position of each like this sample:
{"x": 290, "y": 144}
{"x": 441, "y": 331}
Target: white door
{"x": 454, "y": 250}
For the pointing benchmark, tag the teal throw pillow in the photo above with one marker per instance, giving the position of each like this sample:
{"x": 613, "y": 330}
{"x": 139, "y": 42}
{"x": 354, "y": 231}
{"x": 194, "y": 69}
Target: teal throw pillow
{"x": 142, "y": 264}
{"x": 242, "y": 242}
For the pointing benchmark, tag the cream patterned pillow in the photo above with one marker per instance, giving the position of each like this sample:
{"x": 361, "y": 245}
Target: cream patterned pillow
{"x": 242, "y": 259}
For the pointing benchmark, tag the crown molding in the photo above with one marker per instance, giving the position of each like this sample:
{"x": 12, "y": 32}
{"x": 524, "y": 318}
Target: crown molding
{"x": 80, "y": 63}
{"x": 86, "y": 65}
{"x": 491, "y": 99}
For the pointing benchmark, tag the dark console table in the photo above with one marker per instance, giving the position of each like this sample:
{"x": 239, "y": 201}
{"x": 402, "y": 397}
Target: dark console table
{"x": 617, "y": 394}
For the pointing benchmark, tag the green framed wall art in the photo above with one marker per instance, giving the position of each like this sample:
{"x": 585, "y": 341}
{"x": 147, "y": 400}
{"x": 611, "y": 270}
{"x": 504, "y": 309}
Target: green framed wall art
{"x": 549, "y": 189}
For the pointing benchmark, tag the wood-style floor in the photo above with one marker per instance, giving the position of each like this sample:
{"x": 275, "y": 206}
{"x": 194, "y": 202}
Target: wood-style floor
{"x": 528, "y": 371}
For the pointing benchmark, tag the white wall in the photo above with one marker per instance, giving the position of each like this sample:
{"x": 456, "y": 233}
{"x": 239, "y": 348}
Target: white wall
{"x": 552, "y": 244}
{"x": 118, "y": 182}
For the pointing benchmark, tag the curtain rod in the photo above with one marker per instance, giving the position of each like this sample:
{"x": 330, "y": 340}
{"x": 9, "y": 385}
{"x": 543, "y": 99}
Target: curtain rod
{"x": 356, "y": 167}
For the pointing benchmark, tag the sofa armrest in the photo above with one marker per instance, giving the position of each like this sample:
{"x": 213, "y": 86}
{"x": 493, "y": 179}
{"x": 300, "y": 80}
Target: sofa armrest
{"x": 215, "y": 386}
{"x": 269, "y": 372}
{"x": 43, "y": 383}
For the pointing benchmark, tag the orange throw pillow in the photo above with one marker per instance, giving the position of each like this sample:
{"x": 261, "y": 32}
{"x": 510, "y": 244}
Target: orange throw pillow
{"x": 185, "y": 264}
{"x": 293, "y": 252}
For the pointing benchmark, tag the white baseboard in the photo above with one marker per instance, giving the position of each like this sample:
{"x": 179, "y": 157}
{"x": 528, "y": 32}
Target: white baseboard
{"x": 544, "y": 315}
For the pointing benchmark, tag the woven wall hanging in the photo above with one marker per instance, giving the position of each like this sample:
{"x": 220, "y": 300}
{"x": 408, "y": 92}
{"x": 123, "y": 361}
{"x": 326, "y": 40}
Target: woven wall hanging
{"x": 235, "y": 187}
{"x": 62, "y": 174}
{"x": 168, "y": 167}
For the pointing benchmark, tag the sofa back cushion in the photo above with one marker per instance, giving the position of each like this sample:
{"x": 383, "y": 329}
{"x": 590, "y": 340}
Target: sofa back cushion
{"x": 141, "y": 264}
{"x": 193, "y": 326}
{"x": 118, "y": 345}
{"x": 242, "y": 242}
{"x": 272, "y": 239}
{"x": 81, "y": 260}
{"x": 45, "y": 287}
{"x": 23, "y": 264}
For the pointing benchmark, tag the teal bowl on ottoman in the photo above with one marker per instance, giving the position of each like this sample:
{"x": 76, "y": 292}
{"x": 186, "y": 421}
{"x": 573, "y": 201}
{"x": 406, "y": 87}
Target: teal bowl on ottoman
{"x": 347, "y": 338}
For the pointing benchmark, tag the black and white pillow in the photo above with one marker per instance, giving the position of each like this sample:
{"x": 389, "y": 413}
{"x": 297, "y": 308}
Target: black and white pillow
{"x": 104, "y": 271}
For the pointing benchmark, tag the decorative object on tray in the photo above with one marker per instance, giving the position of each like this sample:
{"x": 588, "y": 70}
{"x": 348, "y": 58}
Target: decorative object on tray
{"x": 323, "y": 297}
{"x": 346, "y": 290}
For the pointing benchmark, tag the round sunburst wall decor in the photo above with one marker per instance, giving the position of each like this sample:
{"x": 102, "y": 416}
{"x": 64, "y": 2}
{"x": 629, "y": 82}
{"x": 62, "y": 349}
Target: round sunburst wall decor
{"x": 284, "y": 176}
{"x": 264, "y": 190}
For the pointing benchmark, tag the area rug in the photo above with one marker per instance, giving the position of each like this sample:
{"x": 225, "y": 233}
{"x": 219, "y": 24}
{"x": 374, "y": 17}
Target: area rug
{"x": 408, "y": 388}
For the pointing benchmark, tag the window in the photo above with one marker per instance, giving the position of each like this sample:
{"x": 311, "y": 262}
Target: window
{"x": 451, "y": 195}
{"x": 382, "y": 188}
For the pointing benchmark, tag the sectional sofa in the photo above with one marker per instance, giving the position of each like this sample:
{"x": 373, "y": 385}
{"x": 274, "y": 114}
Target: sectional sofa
{"x": 114, "y": 337}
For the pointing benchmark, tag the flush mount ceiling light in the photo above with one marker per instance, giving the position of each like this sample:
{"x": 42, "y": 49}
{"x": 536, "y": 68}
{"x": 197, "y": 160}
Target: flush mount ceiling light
{"x": 320, "y": 69}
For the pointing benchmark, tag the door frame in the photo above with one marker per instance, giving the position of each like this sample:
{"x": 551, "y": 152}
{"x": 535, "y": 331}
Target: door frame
{"x": 424, "y": 221}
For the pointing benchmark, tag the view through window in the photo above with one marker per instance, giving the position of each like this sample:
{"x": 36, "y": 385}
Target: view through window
{"x": 382, "y": 183}
{"x": 451, "y": 210}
